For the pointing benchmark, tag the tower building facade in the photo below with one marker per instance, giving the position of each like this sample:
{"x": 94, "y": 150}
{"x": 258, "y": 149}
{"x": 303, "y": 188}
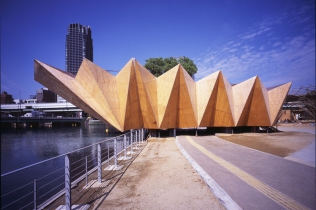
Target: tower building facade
{"x": 78, "y": 46}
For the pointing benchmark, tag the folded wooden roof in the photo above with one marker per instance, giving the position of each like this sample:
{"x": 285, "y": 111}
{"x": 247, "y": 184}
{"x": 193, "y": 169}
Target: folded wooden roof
{"x": 135, "y": 98}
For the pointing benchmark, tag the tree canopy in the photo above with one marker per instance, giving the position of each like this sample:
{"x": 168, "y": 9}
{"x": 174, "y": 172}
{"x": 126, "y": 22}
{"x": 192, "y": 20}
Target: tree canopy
{"x": 158, "y": 66}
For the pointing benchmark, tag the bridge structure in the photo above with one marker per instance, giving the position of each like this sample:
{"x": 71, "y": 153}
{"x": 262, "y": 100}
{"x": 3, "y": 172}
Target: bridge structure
{"x": 51, "y": 114}
{"x": 44, "y": 107}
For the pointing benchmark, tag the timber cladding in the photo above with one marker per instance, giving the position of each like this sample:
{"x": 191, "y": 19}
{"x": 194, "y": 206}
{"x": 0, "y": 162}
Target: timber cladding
{"x": 135, "y": 98}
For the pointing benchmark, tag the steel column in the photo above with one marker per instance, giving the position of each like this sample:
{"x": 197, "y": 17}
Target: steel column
{"x": 86, "y": 170}
{"x": 99, "y": 164}
{"x": 124, "y": 146}
{"x": 136, "y": 139}
{"x": 108, "y": 154}
{"x": 35, "y": 195}
{"x": 131, "y": 141}
{"x": 115, "y": 154}
{"x": 67, "y": 183}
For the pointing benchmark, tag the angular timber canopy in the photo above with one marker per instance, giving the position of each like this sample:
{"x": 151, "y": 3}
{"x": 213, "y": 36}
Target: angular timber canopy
{"x": 135, "y": 98}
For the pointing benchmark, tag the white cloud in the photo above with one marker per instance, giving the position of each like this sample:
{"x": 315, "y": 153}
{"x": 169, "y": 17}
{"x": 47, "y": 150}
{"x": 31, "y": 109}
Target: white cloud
{"x": 303, "y": 15}
{"x": 275, "y": 60}
{"x": 207, "y": 60}
{"x": 297, "y": 41}
{"x": 236, "y": 45}
{"x": 255, "y": 32}
{"x": 245, "y": 56}
{"x": 277, "y": 44}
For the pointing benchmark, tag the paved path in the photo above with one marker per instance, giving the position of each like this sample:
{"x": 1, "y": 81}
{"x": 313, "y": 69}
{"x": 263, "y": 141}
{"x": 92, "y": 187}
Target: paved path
{"x": 307, "y": 129}
{"x": 253, "y": 179}
{"x": 307, "y": 155}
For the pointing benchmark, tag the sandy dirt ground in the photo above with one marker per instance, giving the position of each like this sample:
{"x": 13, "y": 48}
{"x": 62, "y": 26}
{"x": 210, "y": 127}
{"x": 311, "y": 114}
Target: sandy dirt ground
{"x": 281, "y": 143}
{"x": 161, "y": 178}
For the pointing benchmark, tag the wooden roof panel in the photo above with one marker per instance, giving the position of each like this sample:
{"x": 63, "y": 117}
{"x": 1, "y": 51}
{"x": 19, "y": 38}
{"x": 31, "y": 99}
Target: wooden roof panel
{"x": 276, "y": 99}
{"x": 135, "y": 98}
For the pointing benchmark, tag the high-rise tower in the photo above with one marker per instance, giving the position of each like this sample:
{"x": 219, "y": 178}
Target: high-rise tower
{"x": 78, "y": 46}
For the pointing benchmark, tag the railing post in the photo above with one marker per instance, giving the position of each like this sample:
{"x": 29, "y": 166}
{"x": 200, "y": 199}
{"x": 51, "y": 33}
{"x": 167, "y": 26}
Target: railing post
{"x": 136, "y": 139}
{"x": 108, "y": 154}
{"x": 131, "y": 141}
{"x": 142, "y": 135}
{"x": 124, "y": 146}
{"x": 139, "y": 136}
{"x": 86, "y": 170}
{"x": 99, "y": 164}
{"x": 35, "y": 195}
{"x": 67, "y": 183}
{"x": 115, "y": 153}
{"x": 121, "y": 147}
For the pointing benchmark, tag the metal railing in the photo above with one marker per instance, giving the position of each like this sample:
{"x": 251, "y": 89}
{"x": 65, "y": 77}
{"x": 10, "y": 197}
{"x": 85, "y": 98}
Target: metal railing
{"x": 65, "y": 172}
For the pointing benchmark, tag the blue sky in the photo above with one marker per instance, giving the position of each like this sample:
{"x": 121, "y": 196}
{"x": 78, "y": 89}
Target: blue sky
{"x": 274, "y": 39}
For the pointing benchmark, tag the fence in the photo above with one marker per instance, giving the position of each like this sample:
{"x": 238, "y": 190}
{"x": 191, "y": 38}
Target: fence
{"x": 67, "y": 170}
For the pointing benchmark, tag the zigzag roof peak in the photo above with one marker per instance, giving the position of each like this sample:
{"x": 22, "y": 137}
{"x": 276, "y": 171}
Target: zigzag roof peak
{"x": 135, "y": 98}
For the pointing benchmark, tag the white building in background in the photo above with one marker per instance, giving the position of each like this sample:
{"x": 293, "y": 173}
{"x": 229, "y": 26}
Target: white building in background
{"x": 60, "y": 99}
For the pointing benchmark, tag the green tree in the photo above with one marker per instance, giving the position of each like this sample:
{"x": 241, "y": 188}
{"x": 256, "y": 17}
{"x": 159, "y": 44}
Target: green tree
{"x": 158, "y": 66}
{"x": 169, "y": 63}
{"x": 155, "y": 65}
{"x": 188, "y": 65}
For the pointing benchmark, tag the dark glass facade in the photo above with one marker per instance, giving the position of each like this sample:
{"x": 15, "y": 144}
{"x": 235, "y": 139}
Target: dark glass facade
{"x": 78, "y": 46}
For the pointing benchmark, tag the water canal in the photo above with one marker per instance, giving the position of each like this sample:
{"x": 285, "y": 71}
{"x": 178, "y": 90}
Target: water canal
{"x": 25, "y": 146}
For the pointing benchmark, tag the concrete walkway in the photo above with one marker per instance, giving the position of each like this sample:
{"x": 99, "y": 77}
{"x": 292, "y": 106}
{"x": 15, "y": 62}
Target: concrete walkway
{"x": 253, "y": 179}
{"x": 307, "y": 155}
{"x": 298, "y": 128}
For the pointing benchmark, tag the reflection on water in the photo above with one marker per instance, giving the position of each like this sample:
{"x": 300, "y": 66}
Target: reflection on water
{"x": 22, "y": 147}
